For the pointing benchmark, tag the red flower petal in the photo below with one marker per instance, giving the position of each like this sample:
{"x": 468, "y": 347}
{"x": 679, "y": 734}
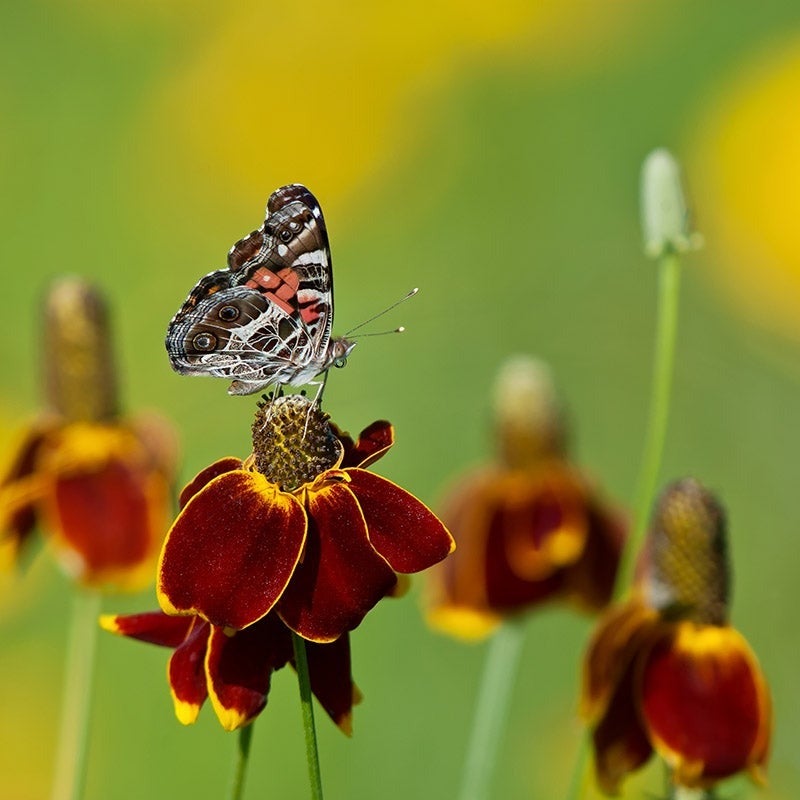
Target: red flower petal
{"x": 239, "y": 668}
{"x": 227, "y": 464}
{"x": 544, "y": 517}
{"x": 186, "y": 673}
{"x": 372, "y": 443}
{"x": 107, "y": 522}
{"x": 401, "y": 528}
{"x": 341, "y": 576}
{"x": 154, "y": 627}
{"x": 624, "y": 631}
{"x": 231, "y": 551}
{"x": 705, "y": 703}
{"x": 620, "y": 742}
{"x": 331, "y": 682}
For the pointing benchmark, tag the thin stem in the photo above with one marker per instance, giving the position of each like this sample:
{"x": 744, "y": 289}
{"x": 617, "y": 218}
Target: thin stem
{"x": 682, "y": 793}
{"x": 663, "y": 368}
{"x": 70, "y": 769}
{"x": 242, "y": 760}
{"x": 580, "y": 770}
{"x": 312, "y": 753}
{"x": 491, "y": 710}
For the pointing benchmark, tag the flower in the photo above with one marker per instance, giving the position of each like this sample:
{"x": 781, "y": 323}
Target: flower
{"x": 300, "y": 527}
{"x": 234, "y": 670}
{"x": 529, "y": 527}
{"x": 665, "y": 671}
{"x": 99, "y": 485}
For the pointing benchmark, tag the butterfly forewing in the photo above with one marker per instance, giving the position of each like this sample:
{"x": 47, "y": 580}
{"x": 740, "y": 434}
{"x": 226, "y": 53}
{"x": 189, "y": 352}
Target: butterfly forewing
{"x": 267, "y": 318}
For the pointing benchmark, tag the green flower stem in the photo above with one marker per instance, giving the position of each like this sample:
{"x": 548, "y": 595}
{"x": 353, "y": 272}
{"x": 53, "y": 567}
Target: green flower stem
{"x": 70, "y": 768}
{"x": 663, "y": 367}
{"x": 242, "y": 760}
{"x": 682, "y": 793}
{"x": 669, "y": 273}
{"x": 312, "y": 753}
{"x": 491, "y": 710}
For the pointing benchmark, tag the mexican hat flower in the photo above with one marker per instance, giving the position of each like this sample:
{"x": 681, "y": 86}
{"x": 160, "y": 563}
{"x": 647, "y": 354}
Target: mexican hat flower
{"x": 300, "y": 527}
{"x": 97, "y": 484}
{"x": 530, "y": 527}
{"x": 234, "y": 670}
{"x": 665, "y": 671}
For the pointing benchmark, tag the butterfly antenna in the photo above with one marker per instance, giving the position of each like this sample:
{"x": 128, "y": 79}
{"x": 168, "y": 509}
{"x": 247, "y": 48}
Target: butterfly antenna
{"x": 401, "y": 329}
{"x": 381, "y": 313}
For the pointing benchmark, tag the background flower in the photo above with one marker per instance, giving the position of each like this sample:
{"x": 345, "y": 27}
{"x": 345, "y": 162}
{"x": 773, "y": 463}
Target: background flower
{"x": 530, "y": 526}
{"x": 665, "y": 672}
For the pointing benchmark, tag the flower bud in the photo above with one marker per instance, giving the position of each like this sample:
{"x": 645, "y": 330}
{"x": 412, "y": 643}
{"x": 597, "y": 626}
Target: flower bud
{"x": 665, "y": 216}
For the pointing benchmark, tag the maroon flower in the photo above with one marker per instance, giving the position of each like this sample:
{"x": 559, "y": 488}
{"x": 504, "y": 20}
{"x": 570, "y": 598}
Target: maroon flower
{"x": 300, "y": 527}
{"x": 99, "y": 486}
{"x": 234, "y": 670}
{"x": 529, "y": 528}
{"x": 665, "y": 671}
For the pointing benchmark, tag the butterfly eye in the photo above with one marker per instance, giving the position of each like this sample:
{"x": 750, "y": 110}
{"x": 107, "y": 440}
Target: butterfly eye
{"x": 204, "y": 342}
{"x": 285, "y": 235}
{"x": 228, "y": 313}
{"x": 340, "y": 362}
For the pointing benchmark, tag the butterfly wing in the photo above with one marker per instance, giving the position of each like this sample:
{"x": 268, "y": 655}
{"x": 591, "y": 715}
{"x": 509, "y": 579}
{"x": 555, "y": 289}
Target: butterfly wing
{"x": 267, "y": 318}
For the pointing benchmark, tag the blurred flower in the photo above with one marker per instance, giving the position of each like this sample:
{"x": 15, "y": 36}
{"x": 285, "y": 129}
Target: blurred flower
{"x": 300, "y": 526}
{"x": 530, "y": 527}
{"x": 98, "y": 485}
{"x": 747, "y": 170}
{"x": 665, "y": 671}
{"x": 235, "y": 670}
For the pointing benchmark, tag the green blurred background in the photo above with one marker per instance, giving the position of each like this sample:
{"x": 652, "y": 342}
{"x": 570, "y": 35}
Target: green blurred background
{"x": 490, "y": 155}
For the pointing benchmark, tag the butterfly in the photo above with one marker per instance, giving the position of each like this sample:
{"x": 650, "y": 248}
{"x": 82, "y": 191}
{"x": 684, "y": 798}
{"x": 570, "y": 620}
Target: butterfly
{"x": 266, "y": 320}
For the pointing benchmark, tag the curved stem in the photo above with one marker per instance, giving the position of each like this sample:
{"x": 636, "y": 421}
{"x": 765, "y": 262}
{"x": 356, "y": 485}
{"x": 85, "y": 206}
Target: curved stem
{"x": 242, "y": 760}
{"x": 663, "y": 368}
{"x": 312, "y": 753}
{"x": 70, "y": 768}
{"x": 491, "y": 710}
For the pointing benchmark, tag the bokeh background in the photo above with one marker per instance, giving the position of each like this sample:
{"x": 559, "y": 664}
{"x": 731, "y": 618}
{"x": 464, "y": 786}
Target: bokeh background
{"x": 488, "y": 153}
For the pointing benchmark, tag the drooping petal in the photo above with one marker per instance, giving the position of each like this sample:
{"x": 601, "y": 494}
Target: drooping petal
{"x": 476, "y": 585}
{"x": 154, "y": 627}
{"x": 232, "y": 550}
{"x": 20, "y": 487}
{"x": 456, "y": 592}
{"x": 620, "y": 741}
{"x": 401, "y": 528}
{"x": 372, "y": 444}
{"x": 621, "y": 634}
{"x": 107, "y": 520}
{"x": 705, "y": 703}
{"x": 341, "y": 577}
{"x": 590, "y": 580}
{"x": 331, "y": 681}
{"x": 205, "y": 476}
{"x": 186, "y": 673}
{"x": 505, "y": 590}
{"x": 239, "y": 668}
{"x": 544, "y": 517}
